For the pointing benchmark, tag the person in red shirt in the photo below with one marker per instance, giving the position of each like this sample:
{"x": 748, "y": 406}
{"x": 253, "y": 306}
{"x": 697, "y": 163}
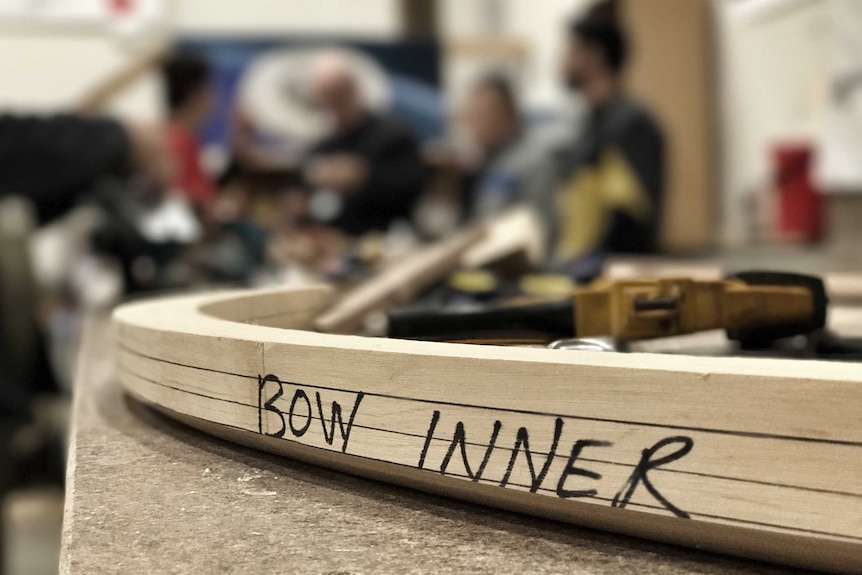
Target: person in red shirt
{"x": 189, "y": 99}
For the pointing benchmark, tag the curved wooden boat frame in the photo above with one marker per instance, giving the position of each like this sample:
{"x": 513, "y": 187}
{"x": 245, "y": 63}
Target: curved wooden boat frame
{"x": 757, "y": 458}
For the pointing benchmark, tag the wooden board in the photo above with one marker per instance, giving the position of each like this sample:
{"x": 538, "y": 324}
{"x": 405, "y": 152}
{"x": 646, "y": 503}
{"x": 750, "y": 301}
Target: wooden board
{"x": 757, "y": 458}
{"x": 514, "y": 235}
{"x": 398, "y": 283}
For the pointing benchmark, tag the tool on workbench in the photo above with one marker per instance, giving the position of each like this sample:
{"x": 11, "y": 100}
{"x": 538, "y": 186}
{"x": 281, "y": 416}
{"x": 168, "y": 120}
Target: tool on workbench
{"x": 754, "y": 308}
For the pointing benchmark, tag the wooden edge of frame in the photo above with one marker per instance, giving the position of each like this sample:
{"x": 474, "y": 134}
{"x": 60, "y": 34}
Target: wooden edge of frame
{"x": 756, "y": 458}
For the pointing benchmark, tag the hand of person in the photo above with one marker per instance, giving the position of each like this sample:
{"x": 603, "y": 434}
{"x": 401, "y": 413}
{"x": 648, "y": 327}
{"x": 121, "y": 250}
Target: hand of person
{"x": 343, "y": 173}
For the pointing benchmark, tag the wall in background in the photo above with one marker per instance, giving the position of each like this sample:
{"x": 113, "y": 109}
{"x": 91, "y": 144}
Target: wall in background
{"x": 672, "y": 73}
{"x": 54, "y": 67}
{"x": 370, "y": 18}
{"x": 48, "y": 69}
{"x": 538, "y": 28}
{"x": 772, "y": 85}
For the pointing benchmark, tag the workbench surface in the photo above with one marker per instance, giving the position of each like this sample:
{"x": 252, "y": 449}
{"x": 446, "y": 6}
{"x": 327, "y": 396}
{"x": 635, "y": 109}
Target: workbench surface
{"x": 147, "y": 495}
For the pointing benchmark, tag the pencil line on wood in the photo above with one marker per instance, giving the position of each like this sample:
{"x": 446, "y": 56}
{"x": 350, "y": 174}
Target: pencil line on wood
{"x": 510, "y": 450}
{"x": 631, "y": 503}
{"x": 737, "y": 433}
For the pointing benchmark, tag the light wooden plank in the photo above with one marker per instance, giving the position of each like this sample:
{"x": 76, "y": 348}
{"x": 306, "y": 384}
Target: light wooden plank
{"x": 706, "y": 448}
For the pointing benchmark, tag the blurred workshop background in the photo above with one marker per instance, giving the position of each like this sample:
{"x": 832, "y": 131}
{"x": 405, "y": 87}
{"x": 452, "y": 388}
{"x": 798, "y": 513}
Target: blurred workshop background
{"x": 149, "y": 146}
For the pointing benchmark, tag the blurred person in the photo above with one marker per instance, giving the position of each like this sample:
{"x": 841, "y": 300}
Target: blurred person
{"x": 602, "y": 191}
{"x": 189, "y": 99}
{"x": 55, "y": 161}
{"x": 367, "y": 173}
{"x": 228, "y": 246}
{"x": 49, "y": 165}
{"x": 506, "y": 154}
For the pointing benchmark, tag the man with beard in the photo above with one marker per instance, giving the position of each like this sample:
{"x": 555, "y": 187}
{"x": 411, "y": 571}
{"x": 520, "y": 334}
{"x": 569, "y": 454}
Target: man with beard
{"x": 602, "y": 192}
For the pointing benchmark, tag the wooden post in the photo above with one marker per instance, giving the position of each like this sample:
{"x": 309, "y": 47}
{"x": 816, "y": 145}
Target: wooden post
{"x": 419, "y": 18}
{"x": 671, "y": 72}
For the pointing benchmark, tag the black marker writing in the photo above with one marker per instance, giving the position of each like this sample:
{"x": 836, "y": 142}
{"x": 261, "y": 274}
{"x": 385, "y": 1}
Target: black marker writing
{"x": 650, "y": 459}
{"x": 523, "y": 438}
{"x": 435, "y": 417}
{"x": 336, "y": 415}
{"x": 268, "y": 405}
{"x": 300, "y": 414}
{"x": 459, "y": 438}
{"x": 570, "y": 469}
{"x": 639, "y": 475}
{"x": 299, "y": 432}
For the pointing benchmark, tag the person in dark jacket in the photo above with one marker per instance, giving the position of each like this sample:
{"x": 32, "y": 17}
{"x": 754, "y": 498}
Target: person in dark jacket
{"x": 367, "y": 173}
{"x": 55, "y": 160}
{"x": 52, "y": 163}
{"x": 602, "y": 192}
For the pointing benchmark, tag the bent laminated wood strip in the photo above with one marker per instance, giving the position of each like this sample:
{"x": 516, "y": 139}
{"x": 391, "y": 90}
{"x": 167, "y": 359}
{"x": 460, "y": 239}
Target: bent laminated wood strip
{"x": 758, "y": 458}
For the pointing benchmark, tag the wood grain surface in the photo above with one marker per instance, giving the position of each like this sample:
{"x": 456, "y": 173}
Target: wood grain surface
{"x": 758, "y": 458}
{"x": 399, "y": 282}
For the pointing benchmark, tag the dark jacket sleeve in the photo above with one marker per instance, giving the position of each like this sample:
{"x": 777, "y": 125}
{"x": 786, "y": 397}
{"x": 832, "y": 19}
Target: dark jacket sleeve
{"x": 396, "y": 170}
{"x": 54, "y": 160}
{"x": 642, "y": 146}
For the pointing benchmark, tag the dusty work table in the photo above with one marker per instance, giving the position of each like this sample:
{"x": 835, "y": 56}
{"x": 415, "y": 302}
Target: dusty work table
{"x": 147, "y": 495}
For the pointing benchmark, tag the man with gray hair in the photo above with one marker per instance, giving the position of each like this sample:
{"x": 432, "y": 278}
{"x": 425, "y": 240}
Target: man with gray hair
{"x": 369, "y": 166}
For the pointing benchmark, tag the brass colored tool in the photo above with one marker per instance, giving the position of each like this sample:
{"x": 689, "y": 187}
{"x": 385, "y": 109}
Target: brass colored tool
{"x": 753, "y": 306}
{"x": 641, "y": 309}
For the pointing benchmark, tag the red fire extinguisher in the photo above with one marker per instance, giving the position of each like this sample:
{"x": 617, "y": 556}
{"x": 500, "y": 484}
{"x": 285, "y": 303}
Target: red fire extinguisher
{"x": 799, "y": 202}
